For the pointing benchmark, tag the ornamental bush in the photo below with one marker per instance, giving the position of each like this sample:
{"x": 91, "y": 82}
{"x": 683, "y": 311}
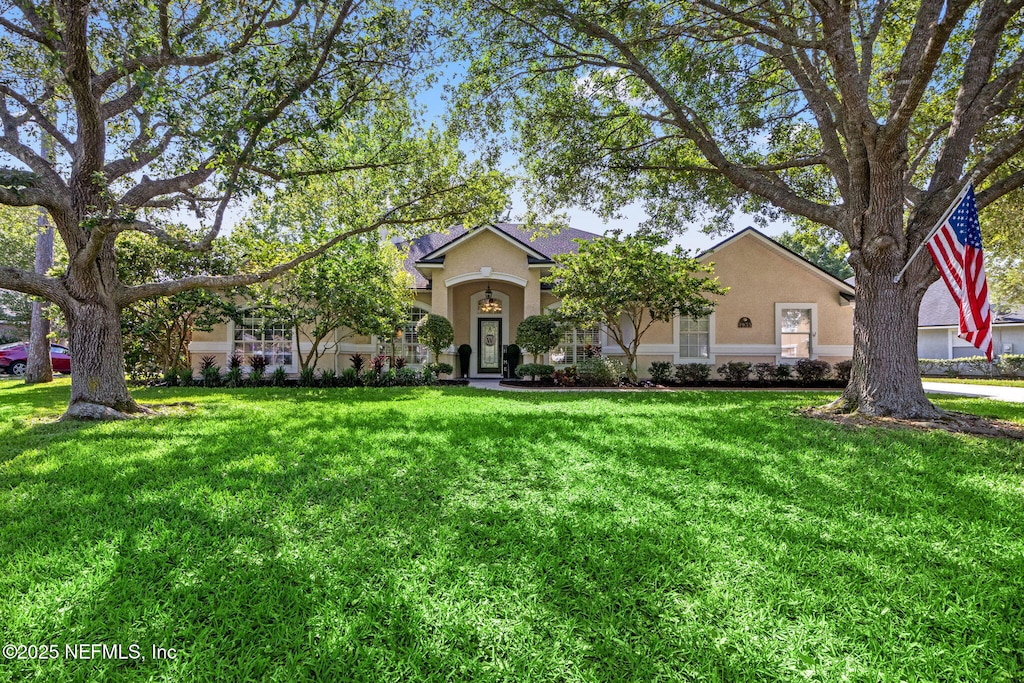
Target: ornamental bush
{"x": 735, "y": 370}
{"x": 435, "y": 332}
{"x": 811, "y": 370}
{"x": 660, "y": 371}
{"x": 439, "y": 368}
{"x": 538, "y": 334}
{"x": 600, "y": 372}
{"x": 765, "y": 372}
{"x": 843, "y": 369}
{"x": 1011, "y": 364}
{"x": 535, "y": 370}
{"x": 693, "y": 372}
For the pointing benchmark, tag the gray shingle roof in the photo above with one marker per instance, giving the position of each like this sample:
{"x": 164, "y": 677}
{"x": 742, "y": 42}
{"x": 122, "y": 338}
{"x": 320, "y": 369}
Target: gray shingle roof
{"x": 549, "y": 246}
{"x": 939, "y": 309}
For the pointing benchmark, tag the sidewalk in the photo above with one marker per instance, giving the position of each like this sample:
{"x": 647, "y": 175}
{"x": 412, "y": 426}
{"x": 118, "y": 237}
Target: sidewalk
{"x": 1011, "y": 394}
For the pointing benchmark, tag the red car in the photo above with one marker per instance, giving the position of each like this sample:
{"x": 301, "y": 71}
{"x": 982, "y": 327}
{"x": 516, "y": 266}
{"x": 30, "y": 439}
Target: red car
{"x": 13, "y": 358}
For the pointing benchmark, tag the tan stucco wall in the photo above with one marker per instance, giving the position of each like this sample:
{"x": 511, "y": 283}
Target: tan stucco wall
{"x": 758, "y": 277}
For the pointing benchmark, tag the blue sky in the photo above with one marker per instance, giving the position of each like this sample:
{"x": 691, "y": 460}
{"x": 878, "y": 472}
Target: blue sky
{"x": 432, "y": 101}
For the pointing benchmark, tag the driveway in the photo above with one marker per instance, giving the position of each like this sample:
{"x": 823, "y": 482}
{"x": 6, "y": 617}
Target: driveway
{"x": 1011, "y": 394}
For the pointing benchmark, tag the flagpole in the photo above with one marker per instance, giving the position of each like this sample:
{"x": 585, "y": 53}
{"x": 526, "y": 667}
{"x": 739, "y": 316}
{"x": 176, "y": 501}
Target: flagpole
{"x": 935, "y": 228}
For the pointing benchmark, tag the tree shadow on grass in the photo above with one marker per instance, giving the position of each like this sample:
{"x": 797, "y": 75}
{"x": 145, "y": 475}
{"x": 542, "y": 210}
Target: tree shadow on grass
{"x": 514, "y": 538}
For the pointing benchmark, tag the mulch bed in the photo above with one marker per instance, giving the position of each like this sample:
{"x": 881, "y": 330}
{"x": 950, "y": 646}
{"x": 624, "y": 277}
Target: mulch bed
{"x": 957, "y": 423}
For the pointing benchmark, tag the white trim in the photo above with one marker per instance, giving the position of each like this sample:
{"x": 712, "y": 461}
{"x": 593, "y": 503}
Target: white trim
{"x": 441, "y": 251}
{"x": 949, "y": 342}
{"x": 209, "y": 347}
{"x": 678, "y": 359}
{"x": 836, "y": 350}
{"x": 482, "y": 275}
{"x": 813, "y": 351}
{"x": 474, "y": 315}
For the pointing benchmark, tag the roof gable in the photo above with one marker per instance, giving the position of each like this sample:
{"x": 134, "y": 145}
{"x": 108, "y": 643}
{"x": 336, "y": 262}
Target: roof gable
{"x": 752, "y": 233}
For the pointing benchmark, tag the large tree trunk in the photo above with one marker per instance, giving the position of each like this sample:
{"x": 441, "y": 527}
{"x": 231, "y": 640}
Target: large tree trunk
{"x": 885, "y": 380}
{"x": 98, "y": 387}
{"x": 39, "y": 368}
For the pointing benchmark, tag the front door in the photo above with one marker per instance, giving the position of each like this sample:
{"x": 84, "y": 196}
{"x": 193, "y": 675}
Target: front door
{"x": 488, "y": 345}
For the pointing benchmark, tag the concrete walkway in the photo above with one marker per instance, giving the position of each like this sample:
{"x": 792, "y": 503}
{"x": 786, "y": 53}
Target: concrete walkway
{"x": 1011, "y": 394}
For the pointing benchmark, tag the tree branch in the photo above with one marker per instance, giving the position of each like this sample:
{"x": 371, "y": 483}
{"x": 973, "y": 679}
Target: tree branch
{"x": 31, "y": 283}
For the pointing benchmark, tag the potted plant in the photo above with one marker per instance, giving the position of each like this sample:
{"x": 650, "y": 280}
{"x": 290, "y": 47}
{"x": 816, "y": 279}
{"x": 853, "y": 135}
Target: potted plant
{"x": 465, "y": 351}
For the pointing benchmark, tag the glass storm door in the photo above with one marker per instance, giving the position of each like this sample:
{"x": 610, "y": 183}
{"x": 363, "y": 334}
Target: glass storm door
{"x": 489, "y": 345}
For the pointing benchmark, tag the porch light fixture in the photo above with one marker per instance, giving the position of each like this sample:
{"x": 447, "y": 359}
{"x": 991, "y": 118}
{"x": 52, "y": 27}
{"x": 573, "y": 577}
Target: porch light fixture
{"x": 489, "y": 304}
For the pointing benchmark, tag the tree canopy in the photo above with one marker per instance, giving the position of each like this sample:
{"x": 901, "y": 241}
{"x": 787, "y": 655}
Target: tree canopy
{"x": 168, "y": 107}
{"x": 867, "y": 117}
{"x": 627, "y": 284}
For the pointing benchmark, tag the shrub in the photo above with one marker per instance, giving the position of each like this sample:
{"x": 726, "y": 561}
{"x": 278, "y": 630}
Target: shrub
{"x": 233, "y": 377}
{"x": 535, "y": 370}
{"x": 693, "y": 372}
{"x": 328, "y": 378}
{"x": 210, "y": 376}
{"x": 600, "y": 372}
{"x": 185, "y": 377}
{"x": 279, "y": 377}
{"x": 661, "y": 371}
{"x": 440, "y": 368}
{"x": 171, "y": 377}
{"x": 765, "y": 372}
{"x": 1011, "y": 364}
{"x": 349, "y": 378}
{"x": 735, "y": 370}
{"x": 950, "y": 367}
{"x": 369, "y": 378}
{"x": 235, "y": 361}
{"x": 358, "y": 362}
{"x": 399, "y": 362}
{"x": 783, "y": 372}
{"x": 567, "y": 377}
{"x": 307, "y": 377}
{"x": 258, "y": 364}
{"x": 378, "y": 363}
{"x": 843, "y": 370}
{"x": 979, "y": 364}
{"x": 436, "y": 333}
{"x": 808, "y": 370}
{"x": 927, "y": 366}
{"x": 407, "y": 377}
{"x": 538, "y": 334}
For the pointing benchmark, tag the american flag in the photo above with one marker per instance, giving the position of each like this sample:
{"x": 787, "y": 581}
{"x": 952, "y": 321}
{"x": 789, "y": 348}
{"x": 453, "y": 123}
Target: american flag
{"x": 955, "y": 247}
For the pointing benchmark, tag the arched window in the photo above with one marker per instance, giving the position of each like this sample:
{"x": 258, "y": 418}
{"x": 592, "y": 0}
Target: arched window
{"x": 257, "y": 335}
{"x": 406, "y": 341}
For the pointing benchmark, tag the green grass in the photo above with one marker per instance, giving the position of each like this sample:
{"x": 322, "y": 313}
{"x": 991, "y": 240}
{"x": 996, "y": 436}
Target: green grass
{"x": 428, "y": 534}
{"x": 988, "y": 381}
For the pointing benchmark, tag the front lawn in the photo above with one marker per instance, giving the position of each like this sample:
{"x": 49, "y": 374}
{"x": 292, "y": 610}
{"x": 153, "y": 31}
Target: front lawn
{"x": 459, "y": 534}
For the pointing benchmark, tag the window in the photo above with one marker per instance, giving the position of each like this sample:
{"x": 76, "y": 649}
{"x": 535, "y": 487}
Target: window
{"x": 573, "y": 346}
{"x": 257, "y": 335}
{"x": 796, "y": 332}
{"x": 694, "y": 337}
{"x": 406, "y": 341}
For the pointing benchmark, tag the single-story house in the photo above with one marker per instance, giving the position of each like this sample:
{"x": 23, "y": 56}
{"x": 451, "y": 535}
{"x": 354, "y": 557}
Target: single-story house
{"x": 780, "y": 307}
{"x": 937, "y": 325}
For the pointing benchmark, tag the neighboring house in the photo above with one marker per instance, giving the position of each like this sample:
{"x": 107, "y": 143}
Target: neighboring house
{"x": 780, "y": 307}
{"x": 937, "y": 325}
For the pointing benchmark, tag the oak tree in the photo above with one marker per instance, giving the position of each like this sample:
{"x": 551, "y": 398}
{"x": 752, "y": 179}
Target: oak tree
{"x": 174, "y": 106}
{"x": 867, "y": 117}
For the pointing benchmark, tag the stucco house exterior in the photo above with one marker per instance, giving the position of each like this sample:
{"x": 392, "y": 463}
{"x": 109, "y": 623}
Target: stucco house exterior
{"x": 779, "y": 308}
{"x": 938, "y": 324}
